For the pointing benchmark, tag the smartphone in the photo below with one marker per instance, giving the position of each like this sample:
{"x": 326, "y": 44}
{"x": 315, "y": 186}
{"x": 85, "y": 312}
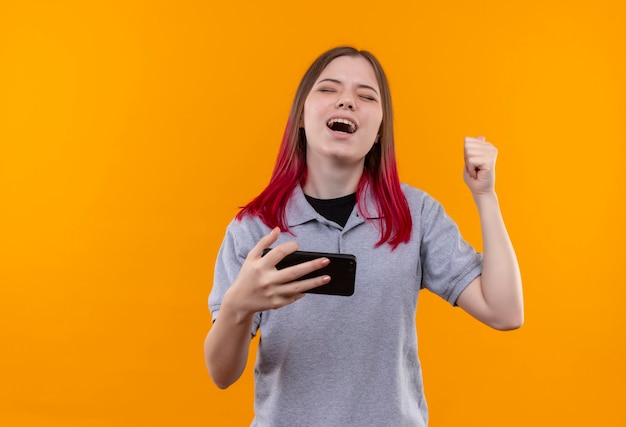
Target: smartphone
{"x": 341, "y": 269}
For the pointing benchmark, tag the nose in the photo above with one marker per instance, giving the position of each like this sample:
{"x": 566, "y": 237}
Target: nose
{"x": 345, "y": 103}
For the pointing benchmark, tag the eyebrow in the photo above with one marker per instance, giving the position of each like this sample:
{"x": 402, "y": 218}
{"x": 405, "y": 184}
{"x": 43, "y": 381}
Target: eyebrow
{"x": 364, "y": 86}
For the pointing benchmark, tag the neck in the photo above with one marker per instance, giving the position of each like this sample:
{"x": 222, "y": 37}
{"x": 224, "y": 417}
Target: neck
{"x": 331, "y": 182}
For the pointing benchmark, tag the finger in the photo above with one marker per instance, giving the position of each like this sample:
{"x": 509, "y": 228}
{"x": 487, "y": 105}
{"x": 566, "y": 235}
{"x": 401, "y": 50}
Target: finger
{"x": 468, "y": 142}
{"x": 468, "y": 148}
{"x": 471, "y": 139}
{"x": 299, "y": 286}
{"x": 475, "y": 141}
{"x": 472, "y": 173}
{"x": 265, "y": 242}
{"x": 279, "y": 252}
{"x": 294, "y": 272}
{"x": 479, "y": 155}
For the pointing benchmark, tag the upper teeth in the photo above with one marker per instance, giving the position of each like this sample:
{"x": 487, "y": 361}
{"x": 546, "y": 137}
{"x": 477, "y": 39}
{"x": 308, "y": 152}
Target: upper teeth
{"x": 344, "y": 121}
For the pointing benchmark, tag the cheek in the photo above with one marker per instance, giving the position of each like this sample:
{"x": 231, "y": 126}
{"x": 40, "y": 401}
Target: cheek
{"x": 310, "y": 117}
{"x": 377, "y": 121}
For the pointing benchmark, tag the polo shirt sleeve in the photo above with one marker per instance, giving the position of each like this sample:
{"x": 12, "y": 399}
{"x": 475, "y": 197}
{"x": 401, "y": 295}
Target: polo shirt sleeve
{"x": 449, "y": 263}
{"x": 229, "y": 260}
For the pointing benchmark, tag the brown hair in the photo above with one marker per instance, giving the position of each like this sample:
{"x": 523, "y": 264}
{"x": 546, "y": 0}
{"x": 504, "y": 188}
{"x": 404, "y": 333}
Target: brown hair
{"x": 380, "y": 170}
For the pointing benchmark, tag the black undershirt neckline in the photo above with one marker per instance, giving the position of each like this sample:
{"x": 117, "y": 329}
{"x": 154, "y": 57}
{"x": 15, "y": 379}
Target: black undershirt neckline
{"x": 337, "y": 210}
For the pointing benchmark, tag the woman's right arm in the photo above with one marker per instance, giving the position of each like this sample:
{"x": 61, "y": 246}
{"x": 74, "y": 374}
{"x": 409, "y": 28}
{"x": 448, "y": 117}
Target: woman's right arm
{"x": 226, "y": 345}
{"x": 259, "y": 286}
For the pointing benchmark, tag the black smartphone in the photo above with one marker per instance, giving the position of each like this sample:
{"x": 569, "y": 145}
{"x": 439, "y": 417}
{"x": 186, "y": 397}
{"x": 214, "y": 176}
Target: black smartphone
{"x": 341, "y": 269}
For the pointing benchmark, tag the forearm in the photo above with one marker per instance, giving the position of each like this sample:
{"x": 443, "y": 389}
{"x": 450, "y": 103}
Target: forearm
{"x": 227, "y": 344}
{"x": 501, "y": 279}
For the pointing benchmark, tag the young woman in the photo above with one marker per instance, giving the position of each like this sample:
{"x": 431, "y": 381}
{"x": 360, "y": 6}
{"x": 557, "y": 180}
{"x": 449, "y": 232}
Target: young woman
{"x": 328, "y": 360}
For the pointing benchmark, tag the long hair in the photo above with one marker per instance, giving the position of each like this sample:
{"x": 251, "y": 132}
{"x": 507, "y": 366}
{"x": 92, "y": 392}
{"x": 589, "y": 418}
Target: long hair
{"x": 380, "y": 173}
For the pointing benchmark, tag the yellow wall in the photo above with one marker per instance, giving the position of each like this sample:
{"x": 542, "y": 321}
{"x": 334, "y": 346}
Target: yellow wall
{"x": 130, "y": 131}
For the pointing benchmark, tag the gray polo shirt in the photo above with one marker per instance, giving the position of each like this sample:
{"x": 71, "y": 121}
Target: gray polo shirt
{"x": 329, "y": 361}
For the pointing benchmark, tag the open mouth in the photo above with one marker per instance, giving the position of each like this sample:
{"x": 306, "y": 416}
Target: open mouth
{"x": 341, "y": 125}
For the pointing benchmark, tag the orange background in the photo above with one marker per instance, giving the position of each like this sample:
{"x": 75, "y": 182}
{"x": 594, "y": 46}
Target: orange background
{"x": 131, "y": 131}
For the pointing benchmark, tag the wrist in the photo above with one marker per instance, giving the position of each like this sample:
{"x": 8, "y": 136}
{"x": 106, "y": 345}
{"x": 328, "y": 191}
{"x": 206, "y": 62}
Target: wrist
{"x": 486, "y": 199}
{"x": 234, "y": 310}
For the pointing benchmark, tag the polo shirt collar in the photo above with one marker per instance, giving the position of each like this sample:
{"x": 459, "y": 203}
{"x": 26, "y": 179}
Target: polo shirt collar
{"x": 300, "y": 211}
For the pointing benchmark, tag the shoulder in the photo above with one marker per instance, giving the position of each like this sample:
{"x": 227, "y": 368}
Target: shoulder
{"x": 418, "y": 200}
